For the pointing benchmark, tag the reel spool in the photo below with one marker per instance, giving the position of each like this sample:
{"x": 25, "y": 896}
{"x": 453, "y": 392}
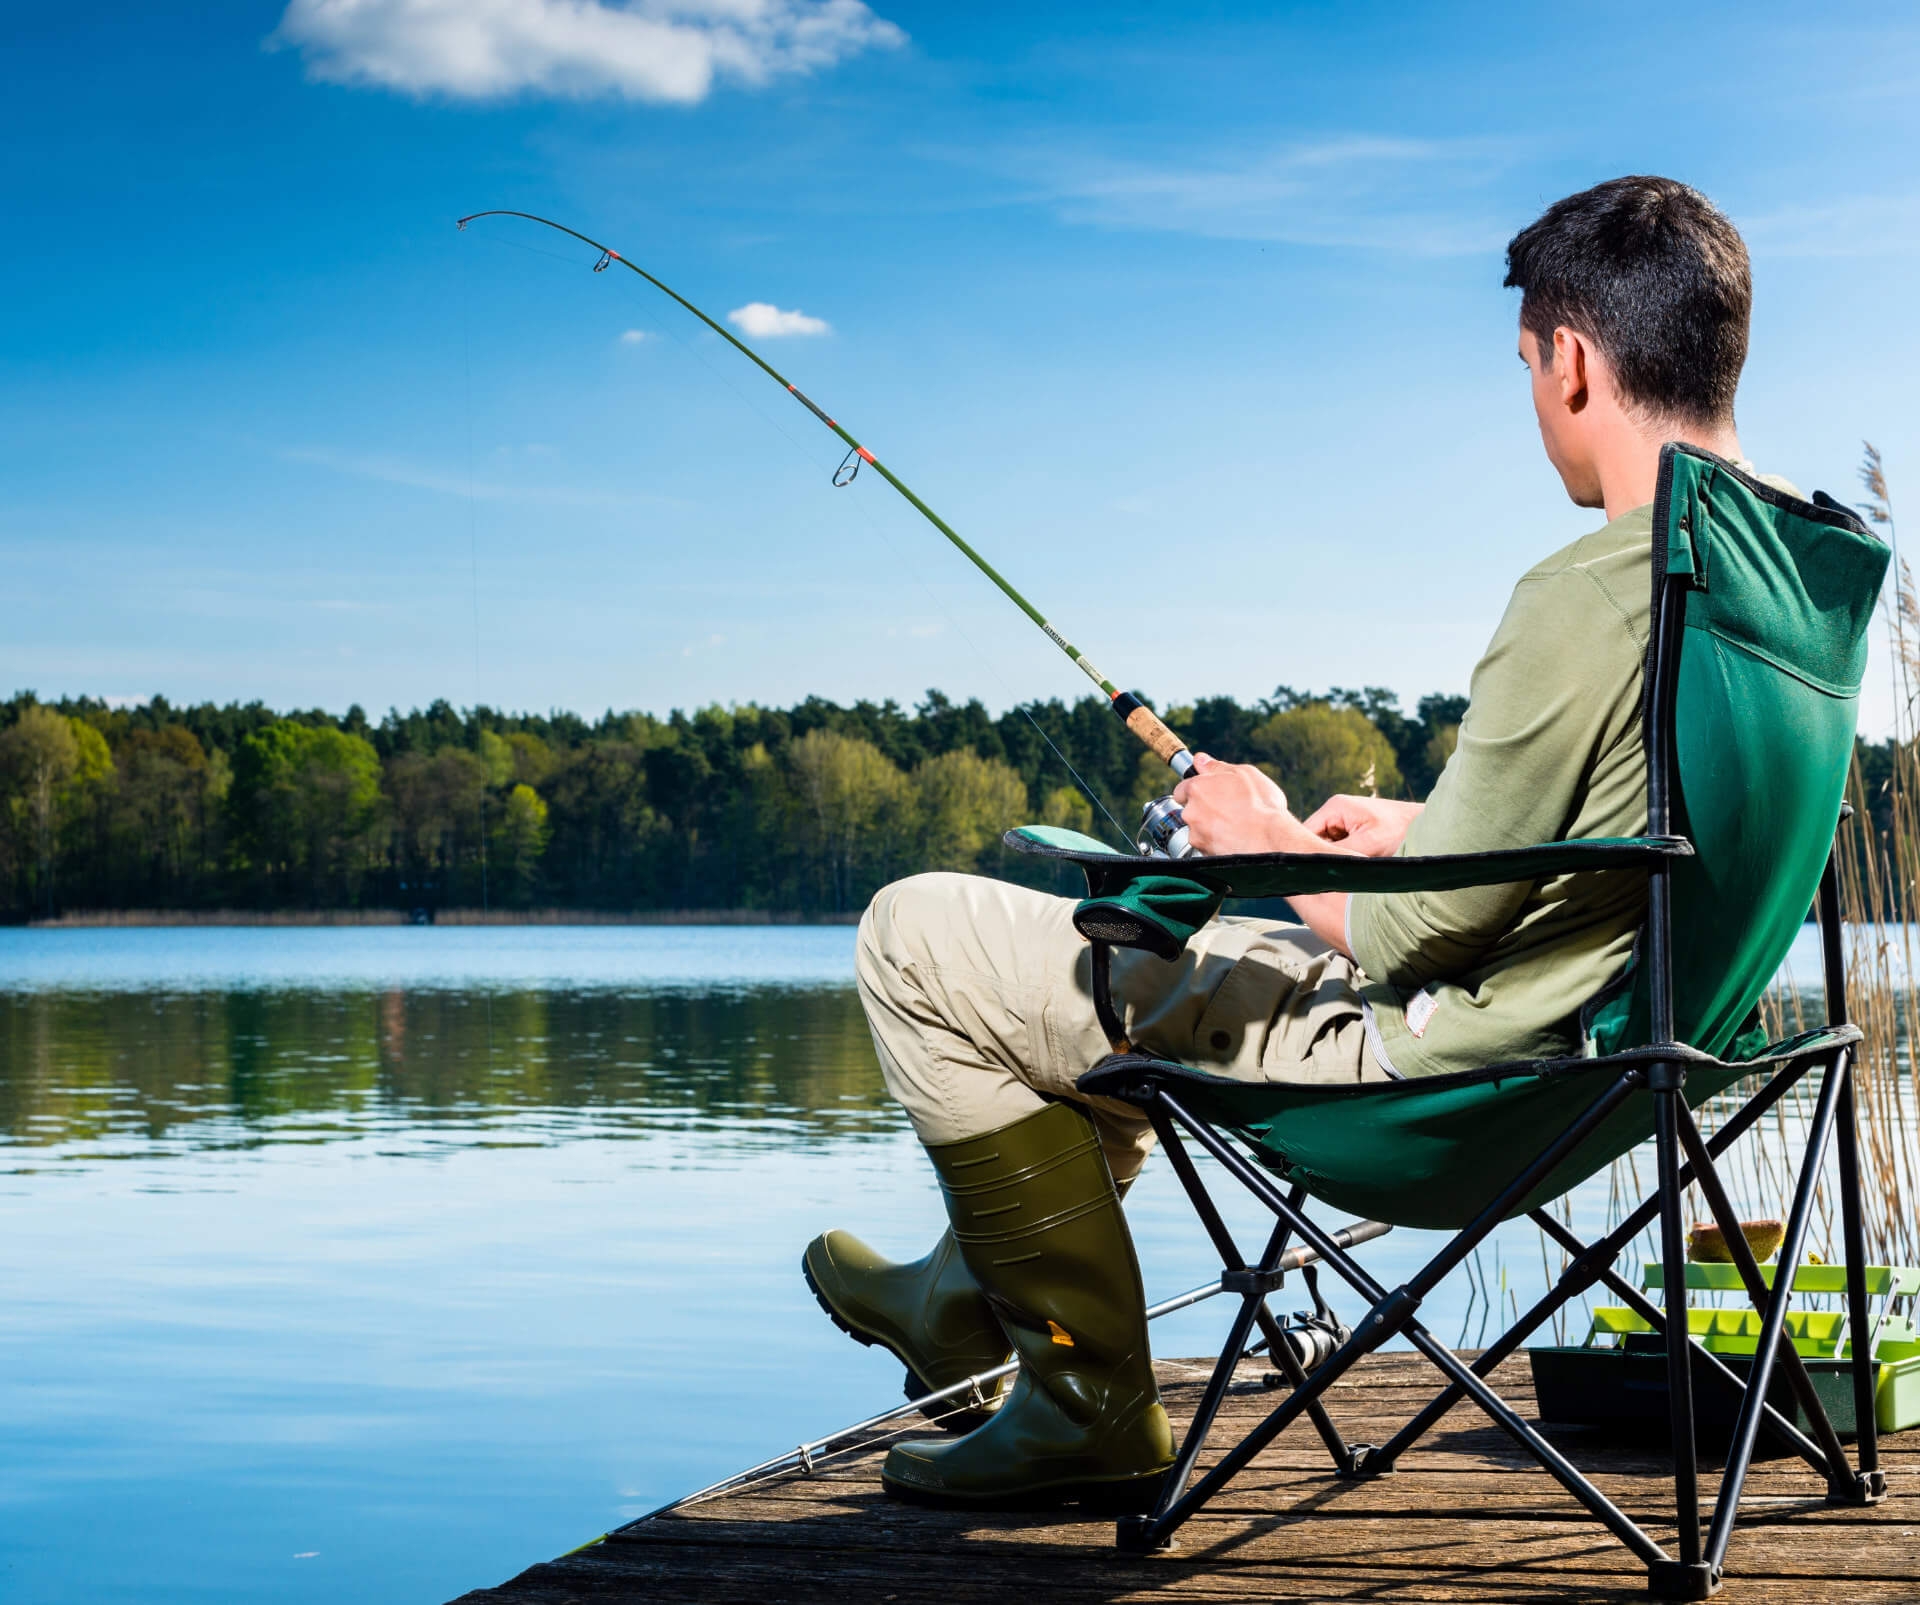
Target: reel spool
{"x": 1163, "y": 830}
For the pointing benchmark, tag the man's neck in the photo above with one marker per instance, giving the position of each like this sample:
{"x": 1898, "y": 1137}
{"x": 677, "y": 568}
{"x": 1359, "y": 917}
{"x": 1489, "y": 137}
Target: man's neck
{"x": 1628, "y": 464}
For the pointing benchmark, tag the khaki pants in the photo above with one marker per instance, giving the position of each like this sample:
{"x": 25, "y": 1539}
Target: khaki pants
{"x": 980, "y": 997}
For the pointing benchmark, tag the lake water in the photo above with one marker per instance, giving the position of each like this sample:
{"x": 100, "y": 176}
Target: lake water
{"x": 377, "y": 1264}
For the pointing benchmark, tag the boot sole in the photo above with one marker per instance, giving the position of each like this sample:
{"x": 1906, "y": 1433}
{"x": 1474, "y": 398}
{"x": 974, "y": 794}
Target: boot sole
{"x": 1127, "y": 1496}
{"x": 916, "y": 1386}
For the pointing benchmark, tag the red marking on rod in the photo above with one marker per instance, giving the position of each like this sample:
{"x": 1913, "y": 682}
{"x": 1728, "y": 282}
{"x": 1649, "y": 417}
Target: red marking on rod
{"x": 616, "y": 256}
{"x": 792, "y": 390}
{"x": 864, "y": 453}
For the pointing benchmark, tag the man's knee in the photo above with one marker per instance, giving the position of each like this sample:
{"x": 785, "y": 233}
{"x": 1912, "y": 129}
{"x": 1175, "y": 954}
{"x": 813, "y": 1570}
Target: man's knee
{"x": 899, "y": 923}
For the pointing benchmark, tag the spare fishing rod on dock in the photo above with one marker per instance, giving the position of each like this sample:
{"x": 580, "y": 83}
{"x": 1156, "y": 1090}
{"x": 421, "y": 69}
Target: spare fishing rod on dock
{"x": 970, "y": 1392}
{"x": 1163, "y": 831}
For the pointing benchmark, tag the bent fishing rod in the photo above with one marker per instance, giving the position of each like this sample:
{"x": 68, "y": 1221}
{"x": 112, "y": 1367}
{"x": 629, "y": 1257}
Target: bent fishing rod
{"x": 1147, "y": 725}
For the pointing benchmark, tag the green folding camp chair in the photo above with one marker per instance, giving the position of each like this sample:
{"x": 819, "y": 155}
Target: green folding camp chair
{"x": 1761, "y": 604}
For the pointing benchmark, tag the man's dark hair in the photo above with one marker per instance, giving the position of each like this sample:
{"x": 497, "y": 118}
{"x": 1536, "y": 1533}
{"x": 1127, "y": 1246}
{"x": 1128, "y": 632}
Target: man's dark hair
{"x": 1656, "y": 277}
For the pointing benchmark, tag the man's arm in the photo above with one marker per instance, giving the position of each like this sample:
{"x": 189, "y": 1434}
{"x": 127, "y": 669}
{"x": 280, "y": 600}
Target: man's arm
{"x": 1236, "y": 808}
{"x": 1559, "y": 687}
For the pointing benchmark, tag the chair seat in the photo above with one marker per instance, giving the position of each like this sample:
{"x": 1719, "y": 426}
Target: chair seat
{"x": 1431, "y": 1152}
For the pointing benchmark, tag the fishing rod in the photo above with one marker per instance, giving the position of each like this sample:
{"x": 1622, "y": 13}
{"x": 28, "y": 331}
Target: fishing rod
{"x": 1311, "y": 1344}
{"x": 1147, "y": 725}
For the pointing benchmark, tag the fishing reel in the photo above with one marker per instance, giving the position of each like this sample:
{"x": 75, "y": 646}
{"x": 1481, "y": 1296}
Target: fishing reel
{"x": 1163, "y": 831}
{"x": 1313, "y": 1342}
{"x": 1312, "y": 1335}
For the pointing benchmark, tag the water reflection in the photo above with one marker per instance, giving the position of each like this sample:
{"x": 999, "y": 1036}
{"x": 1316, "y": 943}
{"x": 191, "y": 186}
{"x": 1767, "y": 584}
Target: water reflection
{"x": 119, "y": 1072}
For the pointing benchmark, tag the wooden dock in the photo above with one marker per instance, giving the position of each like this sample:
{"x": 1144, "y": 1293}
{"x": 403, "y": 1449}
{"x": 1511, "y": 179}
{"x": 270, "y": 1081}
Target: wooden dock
{"x": 1464, "y": 1519}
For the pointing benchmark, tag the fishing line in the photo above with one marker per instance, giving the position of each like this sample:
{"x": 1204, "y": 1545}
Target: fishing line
{"x": 913, "y": 570}
{"x": 1145, "y": 724}
{"x": 473, "y": 561}
{"x": 473, "y": 564}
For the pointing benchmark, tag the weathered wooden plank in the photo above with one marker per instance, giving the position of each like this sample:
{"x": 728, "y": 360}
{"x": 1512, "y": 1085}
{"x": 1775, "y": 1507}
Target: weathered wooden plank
{"x": 1261, "y": 1491}
{"x": 1308, "y": 1460}
{"x": 1292, "y": 1538}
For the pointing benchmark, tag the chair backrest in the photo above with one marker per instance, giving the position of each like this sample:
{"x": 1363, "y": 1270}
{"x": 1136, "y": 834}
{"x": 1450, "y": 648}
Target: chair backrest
{"x": 1761, "y": 604}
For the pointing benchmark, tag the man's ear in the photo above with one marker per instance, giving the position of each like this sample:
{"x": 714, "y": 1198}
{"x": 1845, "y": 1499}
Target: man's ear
{"x": 1570, "y": 364}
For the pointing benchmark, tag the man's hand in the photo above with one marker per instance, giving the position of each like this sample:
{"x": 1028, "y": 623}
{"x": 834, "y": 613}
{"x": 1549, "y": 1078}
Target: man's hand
{"x": 1370, "y": 826}
{"x": 1235, "y": 808}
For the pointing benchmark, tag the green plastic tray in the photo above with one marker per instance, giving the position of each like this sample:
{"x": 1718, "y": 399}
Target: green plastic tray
{"x": 1618, "y": 1377}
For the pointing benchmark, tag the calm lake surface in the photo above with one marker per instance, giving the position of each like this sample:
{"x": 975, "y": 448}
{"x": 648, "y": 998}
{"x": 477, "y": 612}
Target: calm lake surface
{"x": 377, "y": 1264}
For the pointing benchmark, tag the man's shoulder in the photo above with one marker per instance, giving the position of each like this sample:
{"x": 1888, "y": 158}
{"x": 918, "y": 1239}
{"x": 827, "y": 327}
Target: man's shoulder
{"x": 1616, "y": 560}
{"x": 1610, "y": 568}
{"x": 1621, "y": 546}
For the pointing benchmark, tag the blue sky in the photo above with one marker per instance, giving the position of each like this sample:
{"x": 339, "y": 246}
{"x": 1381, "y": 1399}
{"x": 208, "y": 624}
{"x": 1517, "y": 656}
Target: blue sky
{"x": 1189, "y": 317}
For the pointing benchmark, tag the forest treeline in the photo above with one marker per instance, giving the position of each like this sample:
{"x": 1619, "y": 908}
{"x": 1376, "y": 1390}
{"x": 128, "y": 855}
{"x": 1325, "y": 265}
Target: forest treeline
{"x": 805, "y": 809}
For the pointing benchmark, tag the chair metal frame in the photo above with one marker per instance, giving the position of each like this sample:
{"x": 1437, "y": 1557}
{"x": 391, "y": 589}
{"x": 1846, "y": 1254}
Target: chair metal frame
{"x": 1684, "y": 1157}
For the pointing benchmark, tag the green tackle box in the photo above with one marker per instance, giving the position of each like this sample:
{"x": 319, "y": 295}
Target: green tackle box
{"x": 1618, "y": 1377}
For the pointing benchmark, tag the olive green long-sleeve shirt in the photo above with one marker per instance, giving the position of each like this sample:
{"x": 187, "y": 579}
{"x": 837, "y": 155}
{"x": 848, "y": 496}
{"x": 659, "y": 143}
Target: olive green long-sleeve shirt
{"x": 1550, "y": 749}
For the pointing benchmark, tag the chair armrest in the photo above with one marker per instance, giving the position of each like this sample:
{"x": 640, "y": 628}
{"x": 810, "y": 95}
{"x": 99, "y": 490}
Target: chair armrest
{"x": 1109, "y": 872}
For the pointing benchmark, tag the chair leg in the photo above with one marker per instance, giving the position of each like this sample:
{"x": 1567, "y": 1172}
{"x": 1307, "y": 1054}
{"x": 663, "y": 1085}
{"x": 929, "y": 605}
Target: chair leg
{"x": 1868, "y": 1486}
{"x": 1253, "y": 1308}
{"x": 1688, "y": 1577}
{"x": 1773, "y": 1324}
{"x": 1833, "y": 1454}
{"x": 1347, "y": 1458}
{"x": 1211, "y": 1398}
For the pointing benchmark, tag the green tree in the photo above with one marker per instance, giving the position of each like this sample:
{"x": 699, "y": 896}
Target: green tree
{"x": 1067, "y": 807}
{"x": 39, "y": 758}
{"x": 849, "y": 806}
{"x": 437, "y": 802}
{"x": 518, "y": 841}
{"x": 604, "y": 828}
{"x": 963, "y": 805}
{"x": 307, "y": 803}
{"x": 1316, "y": 750}
{"x": 165, "y": 810}
{"x": 533, "y": 759}
{"x": 1440, "y": 747}
{"x": 496, "y": 756}
{"x": 53, "y": 768}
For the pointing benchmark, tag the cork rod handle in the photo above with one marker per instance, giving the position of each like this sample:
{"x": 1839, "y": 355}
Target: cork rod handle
{"x": 1152, "y": 729}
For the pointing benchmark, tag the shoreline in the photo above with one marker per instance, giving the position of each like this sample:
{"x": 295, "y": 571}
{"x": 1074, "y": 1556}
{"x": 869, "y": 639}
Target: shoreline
{"x": 150, "y": 918}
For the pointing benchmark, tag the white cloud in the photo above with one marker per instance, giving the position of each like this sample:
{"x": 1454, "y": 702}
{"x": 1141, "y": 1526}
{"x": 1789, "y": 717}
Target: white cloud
{"x": 659, "y": 50}
{"x": 634, "y": 337}
{"x": 1858, "y": 225}
{"x": 765, "y": 321}
{"x": 1422, "y": 196}
{"x": 387, "y": 470}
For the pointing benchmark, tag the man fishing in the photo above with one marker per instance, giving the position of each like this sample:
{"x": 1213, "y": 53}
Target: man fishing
{"x": 1633, "y": 321}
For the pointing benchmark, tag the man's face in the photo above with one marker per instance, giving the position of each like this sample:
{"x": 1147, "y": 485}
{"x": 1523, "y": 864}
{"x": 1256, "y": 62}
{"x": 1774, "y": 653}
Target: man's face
{"x": 1556, "y": 376}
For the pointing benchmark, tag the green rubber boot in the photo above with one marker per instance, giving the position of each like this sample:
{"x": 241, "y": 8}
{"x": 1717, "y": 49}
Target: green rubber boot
{"x": 1036, "y": 1216}
{"x": 929, "y": 1313}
